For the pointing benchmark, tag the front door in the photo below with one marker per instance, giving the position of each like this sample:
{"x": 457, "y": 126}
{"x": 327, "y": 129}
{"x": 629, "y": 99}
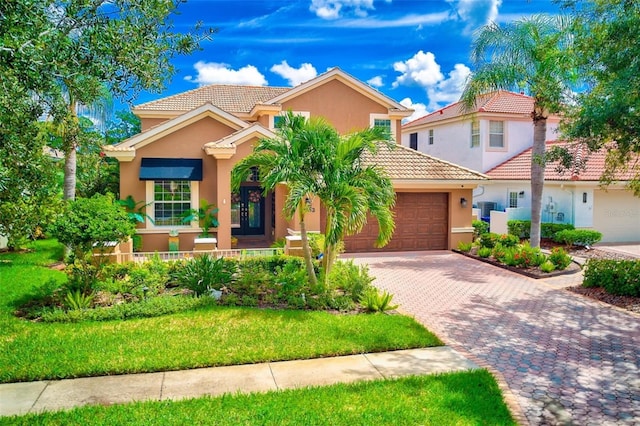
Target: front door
{"x": 247, "y": 211}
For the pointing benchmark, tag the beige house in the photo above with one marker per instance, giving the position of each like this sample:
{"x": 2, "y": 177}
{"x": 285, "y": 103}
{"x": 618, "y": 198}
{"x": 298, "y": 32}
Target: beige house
{"x": 190, "y": 142}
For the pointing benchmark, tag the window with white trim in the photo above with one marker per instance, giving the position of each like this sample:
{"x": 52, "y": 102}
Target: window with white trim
{"x": 276, "y": 120}
{"x": 171, "y": 200}
{"x": 430, "y": 136}
{"x": 496, "y": 134}
{"x": 475, "y": 134}
{"x": 382, "y": 120}
{"x": 513, "y": 200}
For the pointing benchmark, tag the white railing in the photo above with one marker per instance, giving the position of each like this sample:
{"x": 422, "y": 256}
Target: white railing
{"x": 177, "y": 255}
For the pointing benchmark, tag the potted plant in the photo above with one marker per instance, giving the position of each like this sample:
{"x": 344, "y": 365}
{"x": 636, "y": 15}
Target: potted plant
{"x": 136, "y": 212}
{"x": 207, "y": 215}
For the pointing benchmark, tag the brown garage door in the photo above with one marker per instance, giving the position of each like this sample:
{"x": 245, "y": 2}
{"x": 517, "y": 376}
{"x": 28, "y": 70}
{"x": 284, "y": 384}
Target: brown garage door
{"x": 421, "y": 224}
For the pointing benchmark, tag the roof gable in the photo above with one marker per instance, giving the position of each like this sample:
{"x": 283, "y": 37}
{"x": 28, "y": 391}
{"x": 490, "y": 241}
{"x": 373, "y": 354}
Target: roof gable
{"x": 337, "y": 74}
{"x": 177, "y": 123}
{"x": 590, "y": 167}
{"x": 499, "y": 102}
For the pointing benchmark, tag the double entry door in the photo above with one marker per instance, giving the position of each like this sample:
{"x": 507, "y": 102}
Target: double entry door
{"x": 247, "y": 211}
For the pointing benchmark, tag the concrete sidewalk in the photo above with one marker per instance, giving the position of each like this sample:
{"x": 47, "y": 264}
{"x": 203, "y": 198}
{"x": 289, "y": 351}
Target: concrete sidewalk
{"x": 35, "y": 397}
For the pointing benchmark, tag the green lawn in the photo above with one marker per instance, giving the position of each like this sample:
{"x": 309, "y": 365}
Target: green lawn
{"x": 471, "y": 398}
{"x": 206, "y": 337}
{"x": 224, "y": 336}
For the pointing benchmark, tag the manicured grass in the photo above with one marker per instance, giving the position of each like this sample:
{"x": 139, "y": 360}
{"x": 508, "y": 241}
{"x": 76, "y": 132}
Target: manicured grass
{"x": 206, "y": 337}
{"x": 470, "y": 398}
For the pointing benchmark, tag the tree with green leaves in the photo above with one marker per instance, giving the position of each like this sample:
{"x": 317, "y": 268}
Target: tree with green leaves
{"x": 351, "y": 190}
{"x": 292, "y": 160}
{"x": 607, "y": 114}
{"x": 65, "y": 54}
{"x": 532, "y": 54}
{"x": 314, "y": 160}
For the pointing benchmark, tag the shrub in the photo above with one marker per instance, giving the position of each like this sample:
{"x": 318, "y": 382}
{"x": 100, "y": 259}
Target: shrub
{"x": 619, "y": 277}
{"x": 352, "y": 279}
{"x": 479, "y": 227}
{"x": 559, "y": 258}
{"x": 498, "y": 252}
{"x": 508, "y": 240}
{"x": 484, "y": 252}
{"x": 519, "y": 228}
{"x": 579, "y": 237}
{"x": 489, "y": 239}
{"x": 372, "y": 301}
{"x": 547, "y": 266}
{"x": 77, "y": 300}
{"x": 525, "y": 256}
{"x": 464, "y": 247}
{"x": 203, "y": 273}
{"x": 522, "y": 228}
{"x": 152, "y": 307}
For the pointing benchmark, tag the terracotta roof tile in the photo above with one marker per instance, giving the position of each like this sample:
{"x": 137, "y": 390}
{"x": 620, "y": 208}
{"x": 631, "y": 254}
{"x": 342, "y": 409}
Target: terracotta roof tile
{"x": 589, "y": 166}
{"x": 496, "y": 102}
{"x": 403, "y": 163}
{"x": 234, "y": 99}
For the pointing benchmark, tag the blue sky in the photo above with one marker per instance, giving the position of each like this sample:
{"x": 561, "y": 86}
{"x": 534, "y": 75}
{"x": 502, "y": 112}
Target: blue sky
{"x": 414, "y": 51}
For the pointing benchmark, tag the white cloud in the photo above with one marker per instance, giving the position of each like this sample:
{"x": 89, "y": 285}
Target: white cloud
{"x": 448, "y": 90}
{"x": 334, "y": 9}
{"x": 216, "y": 73}
{"x": 422, "y": 70}
{"x": 476, "y": 13}
{"x": 420, "y": 109}
{"x": 375, "y": 81}
{"x": 295, "y": 76}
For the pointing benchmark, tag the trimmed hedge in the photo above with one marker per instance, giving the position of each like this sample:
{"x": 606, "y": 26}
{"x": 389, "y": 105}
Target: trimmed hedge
{"x": 578, "y": 237}
{"x": 619, "y": 277}
{"x": 522, "y": 228}
{"x": 479, "y": 227}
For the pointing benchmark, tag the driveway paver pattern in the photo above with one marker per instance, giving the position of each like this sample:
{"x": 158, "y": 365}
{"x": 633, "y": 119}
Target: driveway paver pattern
{"x": 566, "y": 359}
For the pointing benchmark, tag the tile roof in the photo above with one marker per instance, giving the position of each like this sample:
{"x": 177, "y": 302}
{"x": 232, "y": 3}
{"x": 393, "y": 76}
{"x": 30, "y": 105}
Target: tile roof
{"x": 589, "y": 166}
{"x": 500, "y": 101}
{"x": 403, "y": 163}
{"x": 234, "y": 99}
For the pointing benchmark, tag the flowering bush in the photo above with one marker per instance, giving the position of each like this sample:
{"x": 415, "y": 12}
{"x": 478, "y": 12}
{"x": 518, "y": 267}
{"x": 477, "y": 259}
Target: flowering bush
{"x": 559, "y": 258}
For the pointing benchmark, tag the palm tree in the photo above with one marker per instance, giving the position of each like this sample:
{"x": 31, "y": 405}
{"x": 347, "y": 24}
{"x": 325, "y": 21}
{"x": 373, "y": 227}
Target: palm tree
{"x": 531, "y": 54}
{"x": 286, "y": 159}
{"x": 351, "y": 190}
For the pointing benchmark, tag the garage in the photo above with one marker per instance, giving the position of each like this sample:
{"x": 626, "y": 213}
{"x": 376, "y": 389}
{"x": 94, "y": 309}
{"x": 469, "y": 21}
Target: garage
{"x": 421, "y": 224}
{"x": 616, "y": 213}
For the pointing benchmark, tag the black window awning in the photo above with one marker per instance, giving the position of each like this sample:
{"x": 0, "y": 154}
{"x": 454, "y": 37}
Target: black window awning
{"x": 171, "y": 169}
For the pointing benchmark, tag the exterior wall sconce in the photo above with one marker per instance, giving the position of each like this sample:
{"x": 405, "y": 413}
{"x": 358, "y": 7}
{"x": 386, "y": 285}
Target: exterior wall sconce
{"x": 463, "y": 202}
{"x": 584, "y": 197}
{"x": 521, "y": 194}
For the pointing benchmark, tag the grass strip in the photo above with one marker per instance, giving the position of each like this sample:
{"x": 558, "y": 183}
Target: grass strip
{"x": 468, "y": 398}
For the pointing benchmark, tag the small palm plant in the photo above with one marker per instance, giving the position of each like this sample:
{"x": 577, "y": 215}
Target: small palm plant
{"x": 207, "y": 216}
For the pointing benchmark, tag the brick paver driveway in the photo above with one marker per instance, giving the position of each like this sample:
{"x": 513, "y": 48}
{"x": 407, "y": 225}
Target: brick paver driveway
{"x": 566, "y": 359}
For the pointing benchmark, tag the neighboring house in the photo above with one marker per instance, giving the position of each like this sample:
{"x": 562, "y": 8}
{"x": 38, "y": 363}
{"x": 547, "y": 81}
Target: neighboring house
{"x": 496, "y": 129}
{"x": 190, "y": 142}
{"x": 570, "y": 196}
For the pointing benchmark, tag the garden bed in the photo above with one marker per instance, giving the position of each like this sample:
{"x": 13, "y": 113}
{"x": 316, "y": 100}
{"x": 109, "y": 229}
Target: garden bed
{"x": 531, "y": 272}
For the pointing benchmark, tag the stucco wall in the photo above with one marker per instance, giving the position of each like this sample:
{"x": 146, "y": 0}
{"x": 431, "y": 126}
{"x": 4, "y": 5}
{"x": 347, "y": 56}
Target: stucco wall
{"x": 452, "y": 141}
{"x": 346, "y": 109}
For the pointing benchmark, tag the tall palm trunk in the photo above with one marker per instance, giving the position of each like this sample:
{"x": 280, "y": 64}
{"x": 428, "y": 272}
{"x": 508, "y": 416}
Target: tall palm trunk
{"x": 306, "y": 250}
{"x": 70, "y": 150}
{"x": 537, "y": 174}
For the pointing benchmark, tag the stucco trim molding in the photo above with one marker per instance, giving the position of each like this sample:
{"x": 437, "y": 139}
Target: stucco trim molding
{"x": 122, "y": 155}
{"x": 462, "y": 230}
